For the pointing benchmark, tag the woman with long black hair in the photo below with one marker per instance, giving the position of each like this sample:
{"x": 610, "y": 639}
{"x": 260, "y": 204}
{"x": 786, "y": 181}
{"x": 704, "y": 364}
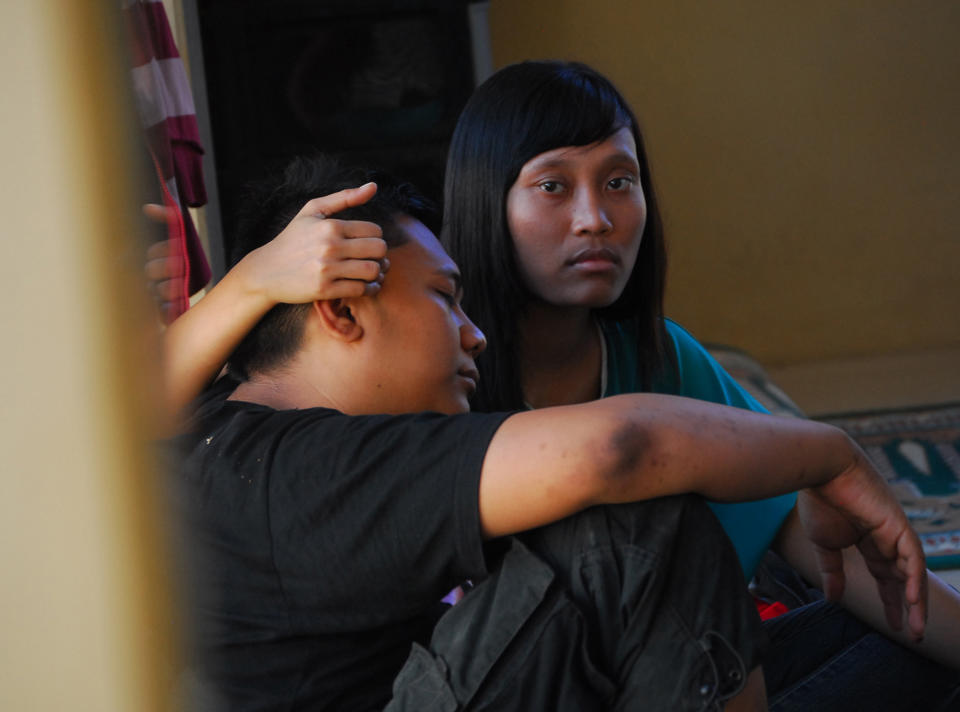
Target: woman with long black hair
{"x": 551, "y": 213}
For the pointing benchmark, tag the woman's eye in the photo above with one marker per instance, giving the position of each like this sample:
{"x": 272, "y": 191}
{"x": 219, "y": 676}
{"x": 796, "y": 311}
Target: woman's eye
{"x": 621, "y": 183}
{"x": 551, "y": 186}
{"x": 447, "y": 297}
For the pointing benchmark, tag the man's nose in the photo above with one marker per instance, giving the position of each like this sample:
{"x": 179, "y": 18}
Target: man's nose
{"x": 471, "y": 338}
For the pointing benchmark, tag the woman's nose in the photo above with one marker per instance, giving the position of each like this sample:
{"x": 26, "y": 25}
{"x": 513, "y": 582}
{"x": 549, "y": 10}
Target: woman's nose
{"x": 590, "y": 215}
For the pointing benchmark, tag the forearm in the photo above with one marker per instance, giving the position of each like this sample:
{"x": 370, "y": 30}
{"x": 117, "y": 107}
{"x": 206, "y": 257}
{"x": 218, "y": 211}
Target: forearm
{"x": 198, "y": 344}
{"x": 942, "y": 639}
{"x": 730, "y": 454}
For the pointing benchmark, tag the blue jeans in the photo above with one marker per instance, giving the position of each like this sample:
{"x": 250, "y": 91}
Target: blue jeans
{"x": 822, "y": 658}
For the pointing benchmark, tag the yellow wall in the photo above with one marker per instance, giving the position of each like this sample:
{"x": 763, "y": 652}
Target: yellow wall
{"x": 84, "y": 606}
{"x": 806, "y": 155}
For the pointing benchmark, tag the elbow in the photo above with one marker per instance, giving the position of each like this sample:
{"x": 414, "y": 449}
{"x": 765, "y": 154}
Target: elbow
{"x": 631, "y": 464}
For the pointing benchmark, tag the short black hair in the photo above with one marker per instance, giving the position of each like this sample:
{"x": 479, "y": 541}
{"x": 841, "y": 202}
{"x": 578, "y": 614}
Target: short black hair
{"x": 269, "y": 206}
{"x": 520, "y": 112}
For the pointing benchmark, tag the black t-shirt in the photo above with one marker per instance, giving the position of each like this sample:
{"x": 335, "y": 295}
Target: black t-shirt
{"x": 322, "y": 543}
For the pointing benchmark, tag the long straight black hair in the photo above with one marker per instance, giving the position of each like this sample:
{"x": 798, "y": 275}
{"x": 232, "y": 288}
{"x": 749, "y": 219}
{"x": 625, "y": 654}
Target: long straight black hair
{"x": 518, "y": 113}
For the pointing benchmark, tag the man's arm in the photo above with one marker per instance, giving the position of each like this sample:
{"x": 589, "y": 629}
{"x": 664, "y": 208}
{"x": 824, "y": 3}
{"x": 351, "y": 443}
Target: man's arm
{"x": 942, "y": 639}
{"x": 312, "y": 258}
{"x": 547, "y": 464}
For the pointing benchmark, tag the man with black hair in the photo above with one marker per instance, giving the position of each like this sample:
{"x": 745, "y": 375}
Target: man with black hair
{"x": 342, "y": 487}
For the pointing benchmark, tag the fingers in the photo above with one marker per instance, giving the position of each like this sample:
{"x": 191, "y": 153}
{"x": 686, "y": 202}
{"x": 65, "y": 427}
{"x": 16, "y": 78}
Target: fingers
{"x": 168, "y": 290}
{"x": 332, "y": 204}
{"x": 356, "y": 278}
{"x": 361, "y": 259}
{"x": 363, "y": 270}
{"x": 894, "y": 593}
{"x": 913, "y": 563}
{"x": 163, "y": 248}
{"x": 159, "y": 213}
{"x": 162, "y": 268}
{"x": 344, "y": 239}
{"x": 363, "y": 248}
{"x": 316, "y": 257}
{"x": 164, "y": 271}
{"x": 917, "y": 621}
{"x": 901, "y": 576}
{"x": 346, "y": 288}
{"x": 891, "y": 596}
{"x": 355, "y": 229}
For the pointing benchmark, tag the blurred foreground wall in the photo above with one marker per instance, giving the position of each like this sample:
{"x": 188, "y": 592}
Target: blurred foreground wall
{"x": 84, "y": 613}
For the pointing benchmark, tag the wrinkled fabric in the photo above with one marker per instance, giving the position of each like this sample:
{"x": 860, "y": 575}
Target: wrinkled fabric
{"x": 168, "y": 119}
{"x": 822, "y": 658}
{"x": 598, "y": 611}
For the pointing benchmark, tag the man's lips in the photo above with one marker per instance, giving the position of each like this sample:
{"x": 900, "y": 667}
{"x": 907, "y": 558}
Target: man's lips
{"x": 598, "y": 256}
{"x": 472, "y": 375}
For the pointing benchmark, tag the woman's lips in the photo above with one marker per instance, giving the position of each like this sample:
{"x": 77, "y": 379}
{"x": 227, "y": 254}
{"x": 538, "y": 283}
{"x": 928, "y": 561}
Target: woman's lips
{"x": 595, "y": 259}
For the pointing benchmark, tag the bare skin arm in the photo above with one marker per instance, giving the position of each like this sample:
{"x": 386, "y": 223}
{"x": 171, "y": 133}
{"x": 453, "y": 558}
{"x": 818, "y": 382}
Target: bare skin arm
{"x": 547, "y": 464}
{"x": 942, "y": 640}
{"x": 313, "y": 258}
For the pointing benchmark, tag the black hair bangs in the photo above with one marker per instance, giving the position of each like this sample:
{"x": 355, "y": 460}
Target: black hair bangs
{"x": 570, "y": 106}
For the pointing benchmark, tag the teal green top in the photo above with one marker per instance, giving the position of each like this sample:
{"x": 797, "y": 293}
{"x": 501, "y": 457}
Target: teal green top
{"x": 751, "y": 526}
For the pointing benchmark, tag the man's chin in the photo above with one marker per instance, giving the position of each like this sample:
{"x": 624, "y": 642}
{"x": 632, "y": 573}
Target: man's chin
{"x": 457, "y": 406}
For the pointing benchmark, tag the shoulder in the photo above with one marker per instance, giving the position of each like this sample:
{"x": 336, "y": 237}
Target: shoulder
{"x": 294, "y": 441}
{"x": 699, "y": 375}
{"x": 335, "y": 433}
{"x": 693, "y": 360}
{"x": 682, "y": 340}
{"x": 621, "y": 338}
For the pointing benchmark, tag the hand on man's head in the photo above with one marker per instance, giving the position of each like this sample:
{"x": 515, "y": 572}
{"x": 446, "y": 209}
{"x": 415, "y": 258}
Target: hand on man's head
{"x": 318, "y": 256}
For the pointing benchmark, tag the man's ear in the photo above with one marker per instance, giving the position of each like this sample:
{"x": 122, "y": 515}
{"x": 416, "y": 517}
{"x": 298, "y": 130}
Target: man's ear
{"x": 337, "y": 320}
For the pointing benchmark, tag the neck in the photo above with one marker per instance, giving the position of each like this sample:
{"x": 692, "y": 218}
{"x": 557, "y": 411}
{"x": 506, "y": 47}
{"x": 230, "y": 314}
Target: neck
{"x": 267, "y": 390}
{"x": 560, "y": 355}
{"x": 286, "y": 388}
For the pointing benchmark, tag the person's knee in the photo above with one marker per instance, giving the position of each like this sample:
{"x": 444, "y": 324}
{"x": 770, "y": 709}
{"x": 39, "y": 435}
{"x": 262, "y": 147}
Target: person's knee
{"x": 668, "y": 525}
{"x": 655, "y": 581}
{"x": 658, "y": 534}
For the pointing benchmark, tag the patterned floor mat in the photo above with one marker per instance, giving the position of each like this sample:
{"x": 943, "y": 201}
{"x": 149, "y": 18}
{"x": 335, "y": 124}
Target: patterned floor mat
{"x": 918, "y": 451}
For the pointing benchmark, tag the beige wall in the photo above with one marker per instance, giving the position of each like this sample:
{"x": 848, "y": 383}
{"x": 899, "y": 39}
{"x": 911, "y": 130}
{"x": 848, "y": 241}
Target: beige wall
{"x": 84, "y": 607}
{"x": 807, "y": 157}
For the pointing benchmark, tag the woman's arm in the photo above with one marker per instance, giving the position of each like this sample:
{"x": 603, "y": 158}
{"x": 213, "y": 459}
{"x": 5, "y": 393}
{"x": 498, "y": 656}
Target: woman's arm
{"x": 942, "y": 639}
{"x": 313, "y": 258}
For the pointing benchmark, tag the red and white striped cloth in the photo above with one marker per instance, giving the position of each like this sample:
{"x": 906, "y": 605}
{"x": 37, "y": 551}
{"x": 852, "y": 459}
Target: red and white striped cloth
{"x": 167, "y": 115}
